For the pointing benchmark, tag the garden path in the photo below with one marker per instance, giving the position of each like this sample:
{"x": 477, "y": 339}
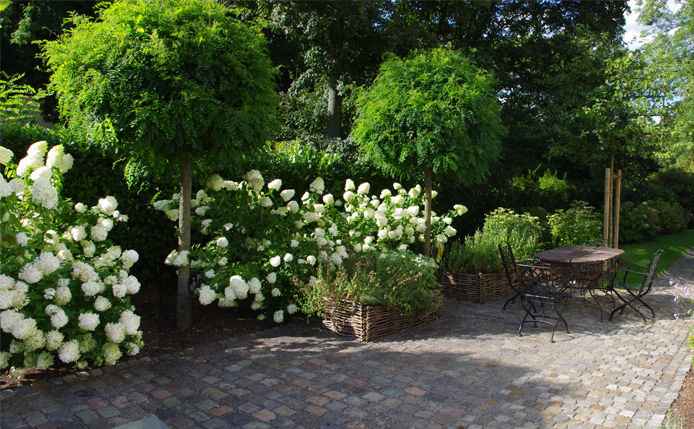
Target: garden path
{"x": 468, "y": 369}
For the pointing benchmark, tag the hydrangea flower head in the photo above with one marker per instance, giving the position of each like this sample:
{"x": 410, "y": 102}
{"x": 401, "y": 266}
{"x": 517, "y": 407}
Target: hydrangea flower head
{"x": 44, "y": 194}
{"x": 255, "y": 180}
{"x": 275, "y": 185}
{"x": 215, "y": 182}
{"x": 107, "y": 205}
{"x": 5, "y": 155}
{"x": 317, "y": 186}
{"x": 69, "y": 351}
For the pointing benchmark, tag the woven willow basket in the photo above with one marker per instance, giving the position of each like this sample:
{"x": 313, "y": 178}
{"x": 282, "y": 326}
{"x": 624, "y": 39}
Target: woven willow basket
{"x": 367, "y": 322}
{"x": 474, "y": 287}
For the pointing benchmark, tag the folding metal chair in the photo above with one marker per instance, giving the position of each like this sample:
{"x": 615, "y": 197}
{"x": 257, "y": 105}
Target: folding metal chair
{"x": 636, "y": 291}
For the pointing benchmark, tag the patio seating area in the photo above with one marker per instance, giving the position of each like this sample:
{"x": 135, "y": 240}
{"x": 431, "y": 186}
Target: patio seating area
{"x": 468, "y": 368}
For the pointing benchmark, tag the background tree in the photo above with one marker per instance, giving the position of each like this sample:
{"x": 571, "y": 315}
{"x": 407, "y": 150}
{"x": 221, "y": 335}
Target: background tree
{"x": 670, "y": 63}
{"x": 341, "y": 41}
{"x": 167, "y": 84}
{"x": 23, "y": 24}
{"x": 435, "y": 113}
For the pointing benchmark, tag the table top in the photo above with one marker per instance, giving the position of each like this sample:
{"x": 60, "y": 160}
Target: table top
{"x": 579, "y": 254}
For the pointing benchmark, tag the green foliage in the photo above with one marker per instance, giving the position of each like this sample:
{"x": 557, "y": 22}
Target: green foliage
{"x": 608, "y": 123}
{"x": 17, "y": 101}
{"x": 637, "y": 222}
{"x": 671, "y": 184}
{"x": 522, "y": 231}
{"x": 670, "y": 66}
{"x": 672, "y": 217}
{"x": 576, "y": 225}
{"x": 401, "y": 281}
{"x": 477, "y": 254}
{"x": 170, "y": 79}
{"x": 531, "y": 190}
{"x": 332, "y": 159}
{"x": 434, "y": 110}
{"x": 642, "y": 222}
{"x": 480, "y": 252}
{"x": 98, "y": 176}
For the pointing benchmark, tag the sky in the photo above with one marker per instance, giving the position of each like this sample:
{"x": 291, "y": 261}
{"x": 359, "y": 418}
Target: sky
{"x": 633, "y": 28}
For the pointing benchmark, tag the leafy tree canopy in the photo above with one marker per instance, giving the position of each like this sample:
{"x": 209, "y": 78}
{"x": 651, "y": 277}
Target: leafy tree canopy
{"x": 434, "y": 110}
{"x": 670, "y": 63}
{"x": 169, "y": 79}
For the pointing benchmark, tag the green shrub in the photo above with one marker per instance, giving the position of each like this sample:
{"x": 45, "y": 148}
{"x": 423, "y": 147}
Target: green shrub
{"x": 534, "y": 190}
{"x": 332, "y": 159}
{"x": 402, "y": 281}
{"x": 671, "y": 216}
{"x": 678, "y": 183}
{"x": 479, "y": 253}
{"x": 522, "y": 231}
{"x": 637, "y": 222}
{"x": 17, "y": 101}
{"x": 576, "y": 225}
{"x": 147, "y": 230}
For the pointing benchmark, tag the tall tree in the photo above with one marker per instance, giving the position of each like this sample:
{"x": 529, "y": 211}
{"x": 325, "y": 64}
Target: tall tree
{"x": 670, "y": 57}
{"x": 434, "y": 113}
{"x": 177, "y": 85}
{"x": 342, "y": 41}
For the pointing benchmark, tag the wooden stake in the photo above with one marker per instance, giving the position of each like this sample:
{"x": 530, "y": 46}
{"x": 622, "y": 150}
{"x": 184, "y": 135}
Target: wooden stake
{"x": 617, "y": 198}
{"x": 606, "y": 210}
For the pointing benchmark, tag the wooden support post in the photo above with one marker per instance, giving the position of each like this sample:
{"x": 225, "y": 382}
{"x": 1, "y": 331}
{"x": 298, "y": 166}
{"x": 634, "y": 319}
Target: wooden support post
{"x": 606, "y": 211}
{"x": 617, "y": 198}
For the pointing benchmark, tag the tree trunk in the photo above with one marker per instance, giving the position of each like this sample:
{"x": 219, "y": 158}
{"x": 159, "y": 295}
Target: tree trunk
{"x": 428, "y": 177}
{"x": 183, "y": 305}
{"x": 334, "y": 109}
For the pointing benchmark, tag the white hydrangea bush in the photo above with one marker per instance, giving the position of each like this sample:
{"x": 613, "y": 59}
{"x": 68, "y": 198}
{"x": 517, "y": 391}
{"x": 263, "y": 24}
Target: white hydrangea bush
{"x": 264, "y": 242}
{"x": 64, "y": 287}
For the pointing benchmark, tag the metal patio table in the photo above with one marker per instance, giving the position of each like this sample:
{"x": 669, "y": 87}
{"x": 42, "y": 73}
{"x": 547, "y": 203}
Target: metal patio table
{"x": 589, "y": 267}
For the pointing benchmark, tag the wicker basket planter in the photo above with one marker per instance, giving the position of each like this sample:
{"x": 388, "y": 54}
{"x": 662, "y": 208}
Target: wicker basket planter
{"x": 367, "y": 322}
{"x": 474, "y": 287}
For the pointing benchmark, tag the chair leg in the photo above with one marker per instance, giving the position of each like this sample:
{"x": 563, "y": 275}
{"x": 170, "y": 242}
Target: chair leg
{"x": 638, "y": 298}
{"x": 510, "y": 300}
{"x": 629, "y": 303}
{"x": 619, "y": 307}
{"x": 561, "y": 317}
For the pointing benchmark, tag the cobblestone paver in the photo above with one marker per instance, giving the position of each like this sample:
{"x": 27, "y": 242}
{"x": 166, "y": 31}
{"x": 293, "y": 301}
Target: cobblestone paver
{"x": 467, "y": 370}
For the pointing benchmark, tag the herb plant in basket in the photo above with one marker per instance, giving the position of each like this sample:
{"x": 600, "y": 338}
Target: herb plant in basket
{"x": 375, "y": 294}
{"x": 472, "y": 271}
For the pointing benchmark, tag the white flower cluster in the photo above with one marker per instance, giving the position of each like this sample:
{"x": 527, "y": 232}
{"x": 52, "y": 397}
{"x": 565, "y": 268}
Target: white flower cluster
{"x": 289, "y": 239}
{"x": 79, "y": 280}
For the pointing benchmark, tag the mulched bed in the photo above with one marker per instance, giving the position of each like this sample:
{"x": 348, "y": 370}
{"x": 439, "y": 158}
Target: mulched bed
{"x": 683, "y": 408}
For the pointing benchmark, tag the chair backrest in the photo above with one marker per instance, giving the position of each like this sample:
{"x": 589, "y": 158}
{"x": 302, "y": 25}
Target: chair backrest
{"x": 509, "y": 263}
{"x": 650, "y": 272}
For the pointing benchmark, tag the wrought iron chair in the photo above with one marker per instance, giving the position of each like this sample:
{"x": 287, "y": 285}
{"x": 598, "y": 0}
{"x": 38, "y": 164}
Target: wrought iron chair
{"x": 538, "y": 291}
{"x": 511, "y": 268}
{"x": 635, "y": 290}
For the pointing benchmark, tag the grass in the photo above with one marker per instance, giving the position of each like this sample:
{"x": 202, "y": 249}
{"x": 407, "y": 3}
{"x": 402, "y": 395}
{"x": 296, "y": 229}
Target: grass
{"x": 674, "y": 246}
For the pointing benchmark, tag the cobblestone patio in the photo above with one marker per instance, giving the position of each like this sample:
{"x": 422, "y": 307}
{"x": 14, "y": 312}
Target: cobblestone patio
{"x": 469, "y": 369}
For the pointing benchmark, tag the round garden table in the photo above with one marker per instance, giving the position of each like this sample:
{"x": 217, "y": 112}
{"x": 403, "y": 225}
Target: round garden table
{"x": 579, "y": 255}
{"x": 587, "y": 268}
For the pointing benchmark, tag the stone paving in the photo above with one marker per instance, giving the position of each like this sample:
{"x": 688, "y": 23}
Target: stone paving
{"x": 467, "y": 370}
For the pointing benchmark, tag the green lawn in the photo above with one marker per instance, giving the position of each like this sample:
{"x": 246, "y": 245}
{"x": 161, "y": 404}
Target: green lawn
{"x": 674, "y": 246}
